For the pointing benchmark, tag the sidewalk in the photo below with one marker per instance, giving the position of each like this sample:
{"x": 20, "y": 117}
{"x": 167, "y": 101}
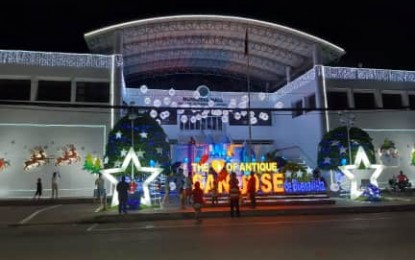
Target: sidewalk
{"x": 173, "y": 212}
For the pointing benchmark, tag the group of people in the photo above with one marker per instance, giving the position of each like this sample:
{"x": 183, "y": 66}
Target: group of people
{"x": 197, "y": 195}
{"x": 54, "y": 181}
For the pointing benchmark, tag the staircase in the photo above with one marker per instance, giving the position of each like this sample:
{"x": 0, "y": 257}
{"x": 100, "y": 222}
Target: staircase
{"x": 276, "y": 199}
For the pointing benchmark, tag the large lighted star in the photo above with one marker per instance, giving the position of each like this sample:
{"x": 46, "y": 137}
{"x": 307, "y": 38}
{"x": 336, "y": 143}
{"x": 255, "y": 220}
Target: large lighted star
{"x": 346, "y": 169}
{"x": 131, "y": 156}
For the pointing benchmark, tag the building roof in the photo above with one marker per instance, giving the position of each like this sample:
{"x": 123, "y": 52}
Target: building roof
{"x": 211, "y": 44}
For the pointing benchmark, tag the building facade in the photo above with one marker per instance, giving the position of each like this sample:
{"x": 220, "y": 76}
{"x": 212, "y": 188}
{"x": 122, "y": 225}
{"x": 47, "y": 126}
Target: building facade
{"x": 57, "y": 109}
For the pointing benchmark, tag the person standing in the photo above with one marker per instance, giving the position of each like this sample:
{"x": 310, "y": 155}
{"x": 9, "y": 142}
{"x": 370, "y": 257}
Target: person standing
{"x": 214, "y": 191}
{"x": 55, "y": 177}
{"x": 101, "y": 194}
{"x": 251, "y": 189}
{"x": 197, "y": 196}
{"x": 122, "y": 189}
{"x": 38, "y": 189}
{"x": 234, "y": 195}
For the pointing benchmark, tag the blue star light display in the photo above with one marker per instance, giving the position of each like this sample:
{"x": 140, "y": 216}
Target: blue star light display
{"x": 333, "y": 148}
{"x": 371, "y": 193}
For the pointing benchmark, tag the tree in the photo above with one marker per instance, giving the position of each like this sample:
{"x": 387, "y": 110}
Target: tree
{"x": 97, "y": 166}
{"x": 148, "y": 139}
{"x": 89, "y": 163}
{"x": 333, "y": 148}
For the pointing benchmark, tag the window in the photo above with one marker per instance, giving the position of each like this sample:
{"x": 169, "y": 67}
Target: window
{"x": 260, "y": 117}
{"x": 364, "y": 100}
{"x": 93, "y": 92}
{"x": 208, "y": 123}
{"x": 391, "y": 101}
{"x": 297, "y": 108}
{"x": 337, "y": 100}
{"x": 11, "y": 89}
{"x": 54, "y": 91}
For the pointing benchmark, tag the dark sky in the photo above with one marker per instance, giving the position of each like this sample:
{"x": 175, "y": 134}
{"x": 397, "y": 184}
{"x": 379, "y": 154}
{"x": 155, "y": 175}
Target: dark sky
{"x": 379, "y": 34}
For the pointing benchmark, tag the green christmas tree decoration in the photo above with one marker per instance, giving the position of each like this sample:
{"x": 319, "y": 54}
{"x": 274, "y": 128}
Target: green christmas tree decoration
{"x": 147, "y": 138}
{"x": 89, "y": 163}
{"x": 413, "y": 158}
{"x": 97, "y": 166}
{"x": 333, "y": 142}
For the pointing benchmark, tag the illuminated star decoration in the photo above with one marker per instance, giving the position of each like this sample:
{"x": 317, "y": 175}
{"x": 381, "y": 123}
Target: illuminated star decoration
{"x": 140, "y": 153}
{"x": 143, "y": 135}
{"x": 346, "y": 169}
{"x": 118, "y": 135}
{"x": 123, "y": 152}
{"x": 159, "y": 150}
{"x": 131, "y": 156}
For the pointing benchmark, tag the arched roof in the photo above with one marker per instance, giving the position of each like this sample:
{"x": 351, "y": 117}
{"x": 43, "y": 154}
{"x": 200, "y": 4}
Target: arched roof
{"x": 211, "y": 44}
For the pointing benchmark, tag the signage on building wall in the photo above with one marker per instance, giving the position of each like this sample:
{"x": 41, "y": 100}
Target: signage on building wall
{"x": 267, "y": 181}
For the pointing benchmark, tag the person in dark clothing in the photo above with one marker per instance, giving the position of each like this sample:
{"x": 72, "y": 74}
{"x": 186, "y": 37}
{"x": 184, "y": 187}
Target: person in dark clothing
{"x": 38, "y": 189}
{"x": 251, "y": 189}
{"x": 122, "y": 189}
{"x": 234, "y": 195}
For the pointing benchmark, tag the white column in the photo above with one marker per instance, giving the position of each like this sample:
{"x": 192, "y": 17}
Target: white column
{"x": 316, "y": 55}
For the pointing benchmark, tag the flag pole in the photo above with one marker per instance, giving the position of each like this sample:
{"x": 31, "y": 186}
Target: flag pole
{"x": 249, "y": 95}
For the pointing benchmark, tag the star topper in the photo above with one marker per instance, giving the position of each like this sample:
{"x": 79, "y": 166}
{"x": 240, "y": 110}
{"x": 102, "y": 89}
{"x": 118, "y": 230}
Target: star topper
{"x": 361, "y": 157}
{"x": 132, "y": 156}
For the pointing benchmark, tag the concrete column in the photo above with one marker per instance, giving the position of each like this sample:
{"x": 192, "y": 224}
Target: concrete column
{"x": 316, "y": 55}
{"x": 73, "y": 91}
{"x": 350, "y": 98}
{"x": 34, "y": 84}
{"x": 288, "y": 74}
{"x": 405, "y": 99}
{"x": 118, "y": 39}
{"x": 378, "y": 99}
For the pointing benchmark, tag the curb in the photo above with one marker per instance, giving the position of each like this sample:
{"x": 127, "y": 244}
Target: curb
{"x": 102, "y": 219}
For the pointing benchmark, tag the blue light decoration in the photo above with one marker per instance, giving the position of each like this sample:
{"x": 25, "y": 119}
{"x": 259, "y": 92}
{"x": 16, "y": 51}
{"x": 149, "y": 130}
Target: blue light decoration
{"x": 295, "y": 186}
{"x": 152, "y": 163}
{"x": 197, "y": 159}
{"x": 186, "y": 160}
{"x": 371, "y": 193}
{"x": 343, "y": 161}
{"x": 262, "y": 158}
{"x": 133, "y": 200}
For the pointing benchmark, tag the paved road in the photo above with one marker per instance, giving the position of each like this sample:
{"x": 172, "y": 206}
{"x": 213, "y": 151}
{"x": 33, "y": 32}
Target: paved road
{"x": 359, "y": 236}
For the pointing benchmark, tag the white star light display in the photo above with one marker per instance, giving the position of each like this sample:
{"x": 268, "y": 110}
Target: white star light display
{"x": 118, "y": 135}
{"x": 131, "y": 156}
{"x": 143, "y": 135}
{"x": 361, "y": 157}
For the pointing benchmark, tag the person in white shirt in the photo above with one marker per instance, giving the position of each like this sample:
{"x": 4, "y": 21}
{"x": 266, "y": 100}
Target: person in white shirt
{"x": 101, "y": 194}
{"x": 55, "y": 177}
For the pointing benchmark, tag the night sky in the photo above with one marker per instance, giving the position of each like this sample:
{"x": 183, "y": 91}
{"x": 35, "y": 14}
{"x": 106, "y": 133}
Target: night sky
{"x": 378, "y": 34}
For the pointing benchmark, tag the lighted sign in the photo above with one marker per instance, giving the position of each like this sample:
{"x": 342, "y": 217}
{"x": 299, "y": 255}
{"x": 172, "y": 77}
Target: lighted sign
{"x": 218, "y": 165}
{"x": 266, "y": 183}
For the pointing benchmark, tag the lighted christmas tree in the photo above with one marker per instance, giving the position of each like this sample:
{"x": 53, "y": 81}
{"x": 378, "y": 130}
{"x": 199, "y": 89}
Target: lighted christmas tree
{"x": 89, "y": 163}
{"x": 147, "y": 138}
{"x": 97, "y": 166}
{"x": 333, "y": 148}
{"x": 93, "y": 165}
